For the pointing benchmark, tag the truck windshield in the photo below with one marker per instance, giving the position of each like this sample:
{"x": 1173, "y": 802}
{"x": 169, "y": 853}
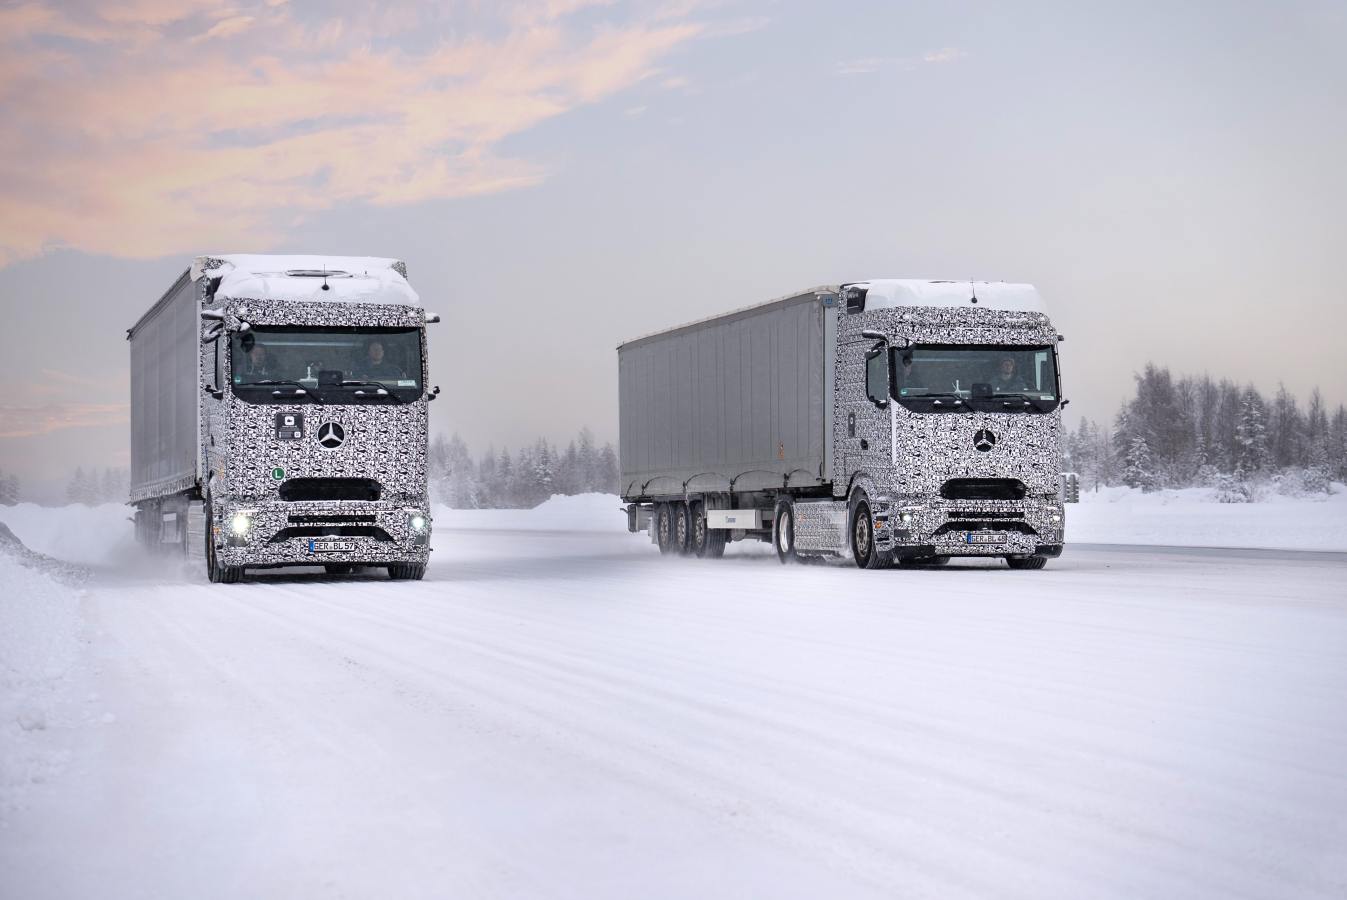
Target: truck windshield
{"x": 276, "y": 364}
{"x": 983, "y": 378}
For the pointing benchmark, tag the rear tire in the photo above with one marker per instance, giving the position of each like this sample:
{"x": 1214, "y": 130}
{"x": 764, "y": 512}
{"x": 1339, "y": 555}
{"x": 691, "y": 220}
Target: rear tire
{"x": 1033, "y": 562}
{"x": 407, "y": 571}
{"x": 664, "y": 528}
{"x": 783, "y": 531}
{"x": 217, "y": 573}
{"x": 682, "y": 528}
{"x": 863, "y": 548}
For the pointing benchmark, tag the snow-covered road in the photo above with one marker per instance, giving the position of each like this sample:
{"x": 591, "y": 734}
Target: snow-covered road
{"x": 555, "y": 714}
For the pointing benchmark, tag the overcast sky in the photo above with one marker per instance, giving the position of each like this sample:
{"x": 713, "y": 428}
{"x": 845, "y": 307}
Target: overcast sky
{"x": 566, "y": 174}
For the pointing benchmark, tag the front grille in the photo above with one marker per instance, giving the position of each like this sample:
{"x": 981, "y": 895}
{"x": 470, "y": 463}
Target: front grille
{"x": 983, "y": 489}
{"x": 1021, "y": 527}
{"x": 982, "y": 514}
{"x": 310, "y": 519}
{"x": 308, "y": 531}
{"x": 300, "y": 489}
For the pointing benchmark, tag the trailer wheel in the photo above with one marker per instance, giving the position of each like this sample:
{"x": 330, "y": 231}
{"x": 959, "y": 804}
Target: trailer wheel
{"x": 697, "y": 513}
{"x": 682, "y": 528}
{"x": 783, "y": 531}
{"x": 863, "y": 548}
{"x": 217, "y": 573}
{"x": 664, "y": 528}
{"x": 407, "y": 571}
{"x": 1032, "y": 562}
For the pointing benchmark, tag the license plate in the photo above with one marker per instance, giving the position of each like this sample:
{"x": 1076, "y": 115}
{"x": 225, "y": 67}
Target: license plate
{"x": 977, "y": 537}
{"x": 331, "y": 546}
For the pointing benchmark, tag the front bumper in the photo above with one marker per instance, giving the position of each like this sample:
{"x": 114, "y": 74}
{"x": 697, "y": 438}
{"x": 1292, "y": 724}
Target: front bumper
{"x": 1030, "y": 527}
{"x": 283, "y": 534}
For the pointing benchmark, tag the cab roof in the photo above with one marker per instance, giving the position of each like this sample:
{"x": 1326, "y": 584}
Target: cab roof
{"x": 348, "y": 279}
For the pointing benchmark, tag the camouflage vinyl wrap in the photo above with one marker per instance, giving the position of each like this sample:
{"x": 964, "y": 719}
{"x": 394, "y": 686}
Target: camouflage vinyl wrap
{"x": 899, "y": 459}
{"x": 383, "y": 441}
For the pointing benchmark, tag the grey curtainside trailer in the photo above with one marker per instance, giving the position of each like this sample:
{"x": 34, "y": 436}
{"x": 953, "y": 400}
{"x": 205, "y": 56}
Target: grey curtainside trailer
{"x": 894, "y": 421}
{"x": 165, "y": 362}
{"x": 736, "y": 402}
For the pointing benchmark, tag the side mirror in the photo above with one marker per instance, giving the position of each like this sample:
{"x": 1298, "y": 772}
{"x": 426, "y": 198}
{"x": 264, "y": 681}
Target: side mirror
{"x": 877, "y": 376}
{"x": 433, "y": 394}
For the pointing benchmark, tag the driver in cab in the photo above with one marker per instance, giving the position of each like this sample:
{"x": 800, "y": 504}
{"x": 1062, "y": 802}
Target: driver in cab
{"x": 376, "y": 366}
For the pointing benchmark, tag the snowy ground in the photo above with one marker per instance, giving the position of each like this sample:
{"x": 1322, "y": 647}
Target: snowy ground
{"x": 558, "y": 712}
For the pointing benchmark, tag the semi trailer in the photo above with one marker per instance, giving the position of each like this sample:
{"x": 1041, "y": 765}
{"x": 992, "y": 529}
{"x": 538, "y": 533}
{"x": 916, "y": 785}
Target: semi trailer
{"x": 279, "y": 416}
{"x": 891, "y": 421}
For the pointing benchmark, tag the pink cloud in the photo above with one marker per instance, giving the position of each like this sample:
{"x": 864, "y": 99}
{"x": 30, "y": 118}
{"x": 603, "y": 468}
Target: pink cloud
{"x": 32, "y": 420}
{"x": 145, "y": 144}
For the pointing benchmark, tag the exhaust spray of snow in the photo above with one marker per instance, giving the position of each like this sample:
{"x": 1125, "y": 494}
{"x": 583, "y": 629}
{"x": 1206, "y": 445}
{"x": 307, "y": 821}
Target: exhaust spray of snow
{"x": 561, "y": 712}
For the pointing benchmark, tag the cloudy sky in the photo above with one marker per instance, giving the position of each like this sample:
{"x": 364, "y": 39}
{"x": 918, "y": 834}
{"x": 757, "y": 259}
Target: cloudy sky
{"x": 565, "y": 174}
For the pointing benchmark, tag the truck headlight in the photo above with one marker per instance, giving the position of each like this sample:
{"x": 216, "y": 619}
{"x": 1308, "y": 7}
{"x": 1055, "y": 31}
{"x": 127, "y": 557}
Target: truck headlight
{"x": 1055, "y": 518}
{"x": 905, "y": 518}
{"x": 418, "y": 523}
{"x": 240, "y": 524}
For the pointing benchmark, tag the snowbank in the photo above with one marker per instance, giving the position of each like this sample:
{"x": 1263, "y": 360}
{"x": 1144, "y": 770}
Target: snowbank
{"x": 92, "y": 535}
{"x": 1194, "y": 517}
{"x": 1120, "y": 515}
{"x": 580, "y": 512}
{"x": 40, "y": 642}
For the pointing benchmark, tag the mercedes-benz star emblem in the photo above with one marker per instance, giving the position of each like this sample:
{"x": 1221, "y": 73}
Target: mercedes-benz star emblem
{"x": 984, "y": 440}
{"x": 331, "y": 435}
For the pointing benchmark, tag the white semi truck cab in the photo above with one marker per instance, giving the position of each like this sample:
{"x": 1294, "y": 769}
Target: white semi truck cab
{"x": 280, "y": 416}
{"x": 892, "y": 420}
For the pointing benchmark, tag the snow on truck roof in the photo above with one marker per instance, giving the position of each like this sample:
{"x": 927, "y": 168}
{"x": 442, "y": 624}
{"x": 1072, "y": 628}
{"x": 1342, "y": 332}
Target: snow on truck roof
{"x": 351, "y": 279}
{"x": 887, "y": 293}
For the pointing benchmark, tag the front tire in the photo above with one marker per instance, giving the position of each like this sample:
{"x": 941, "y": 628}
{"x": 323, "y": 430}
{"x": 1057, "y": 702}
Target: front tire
{"x": 783, "y": 531}
{"x": 407, "y": 571}
{"x": 1032, "y": 562}
{"x": 217, "y": 573}
{"x": 863, "y": 548}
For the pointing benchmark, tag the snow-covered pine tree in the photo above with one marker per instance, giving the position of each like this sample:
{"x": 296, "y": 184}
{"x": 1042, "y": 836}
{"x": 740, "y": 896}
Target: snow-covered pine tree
{"x": 9, "y": 489}
{"x": 1251, "y": 440}
{"x": 608, "y": 475}
{"x": 1139, "y": 467}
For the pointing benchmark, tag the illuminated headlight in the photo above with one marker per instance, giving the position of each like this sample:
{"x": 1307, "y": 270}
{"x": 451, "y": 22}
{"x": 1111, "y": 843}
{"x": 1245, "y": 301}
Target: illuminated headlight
{"x": 240, "y": 524}
{"x": 905, "y": 518}
{"x": 1055, "y": 518}
{"x": 418, "y": 523}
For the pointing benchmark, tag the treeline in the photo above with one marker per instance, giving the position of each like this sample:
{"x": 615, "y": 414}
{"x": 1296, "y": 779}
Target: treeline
{"x": 522, "y": 480}
{"x": 91, "y": 488}
{"x": 9, "y": 488}
{"x": 1194, "y": 431}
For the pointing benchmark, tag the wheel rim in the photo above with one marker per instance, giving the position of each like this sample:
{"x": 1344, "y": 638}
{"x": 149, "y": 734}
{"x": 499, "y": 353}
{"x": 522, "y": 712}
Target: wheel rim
{"x": 681, "y": 529}
{"x": 699, "y": 531}
{"x": 862, "y": 531}
{"x": 664, "y": 525}
{"x": 782, "y": 536}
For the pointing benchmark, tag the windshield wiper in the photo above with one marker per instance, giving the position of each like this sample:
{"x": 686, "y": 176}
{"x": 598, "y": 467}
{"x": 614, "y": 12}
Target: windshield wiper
{"x": 938, "y": 399}
{"x": 1024, "y": 399}
{"x": 384, "y": 390}
{"x": 271, "y": 382}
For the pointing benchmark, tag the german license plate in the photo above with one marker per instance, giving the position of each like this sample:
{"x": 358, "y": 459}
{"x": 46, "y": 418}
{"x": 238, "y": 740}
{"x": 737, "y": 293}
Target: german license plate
{"x": 985, "y": 537}
{"x": 331, "y": 546}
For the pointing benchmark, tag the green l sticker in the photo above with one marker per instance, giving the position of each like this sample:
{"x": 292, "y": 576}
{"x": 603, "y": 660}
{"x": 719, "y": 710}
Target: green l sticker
{"x": 278, "y": 473}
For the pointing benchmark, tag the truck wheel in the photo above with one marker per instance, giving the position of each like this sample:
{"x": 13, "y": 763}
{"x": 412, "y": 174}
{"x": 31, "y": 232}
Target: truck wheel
{"x": 338, "y": 569}
{"x": 783, "y": 531}
{"x": 682, "y": 528}
{"x": 217, "y": 573}
{"x": 664, "y": 528}
{"x": 1032, "y": 562}
{"x": 863, "y": 548}
{"x": 407, "y": 571}
{"x": 707, "y": 543}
